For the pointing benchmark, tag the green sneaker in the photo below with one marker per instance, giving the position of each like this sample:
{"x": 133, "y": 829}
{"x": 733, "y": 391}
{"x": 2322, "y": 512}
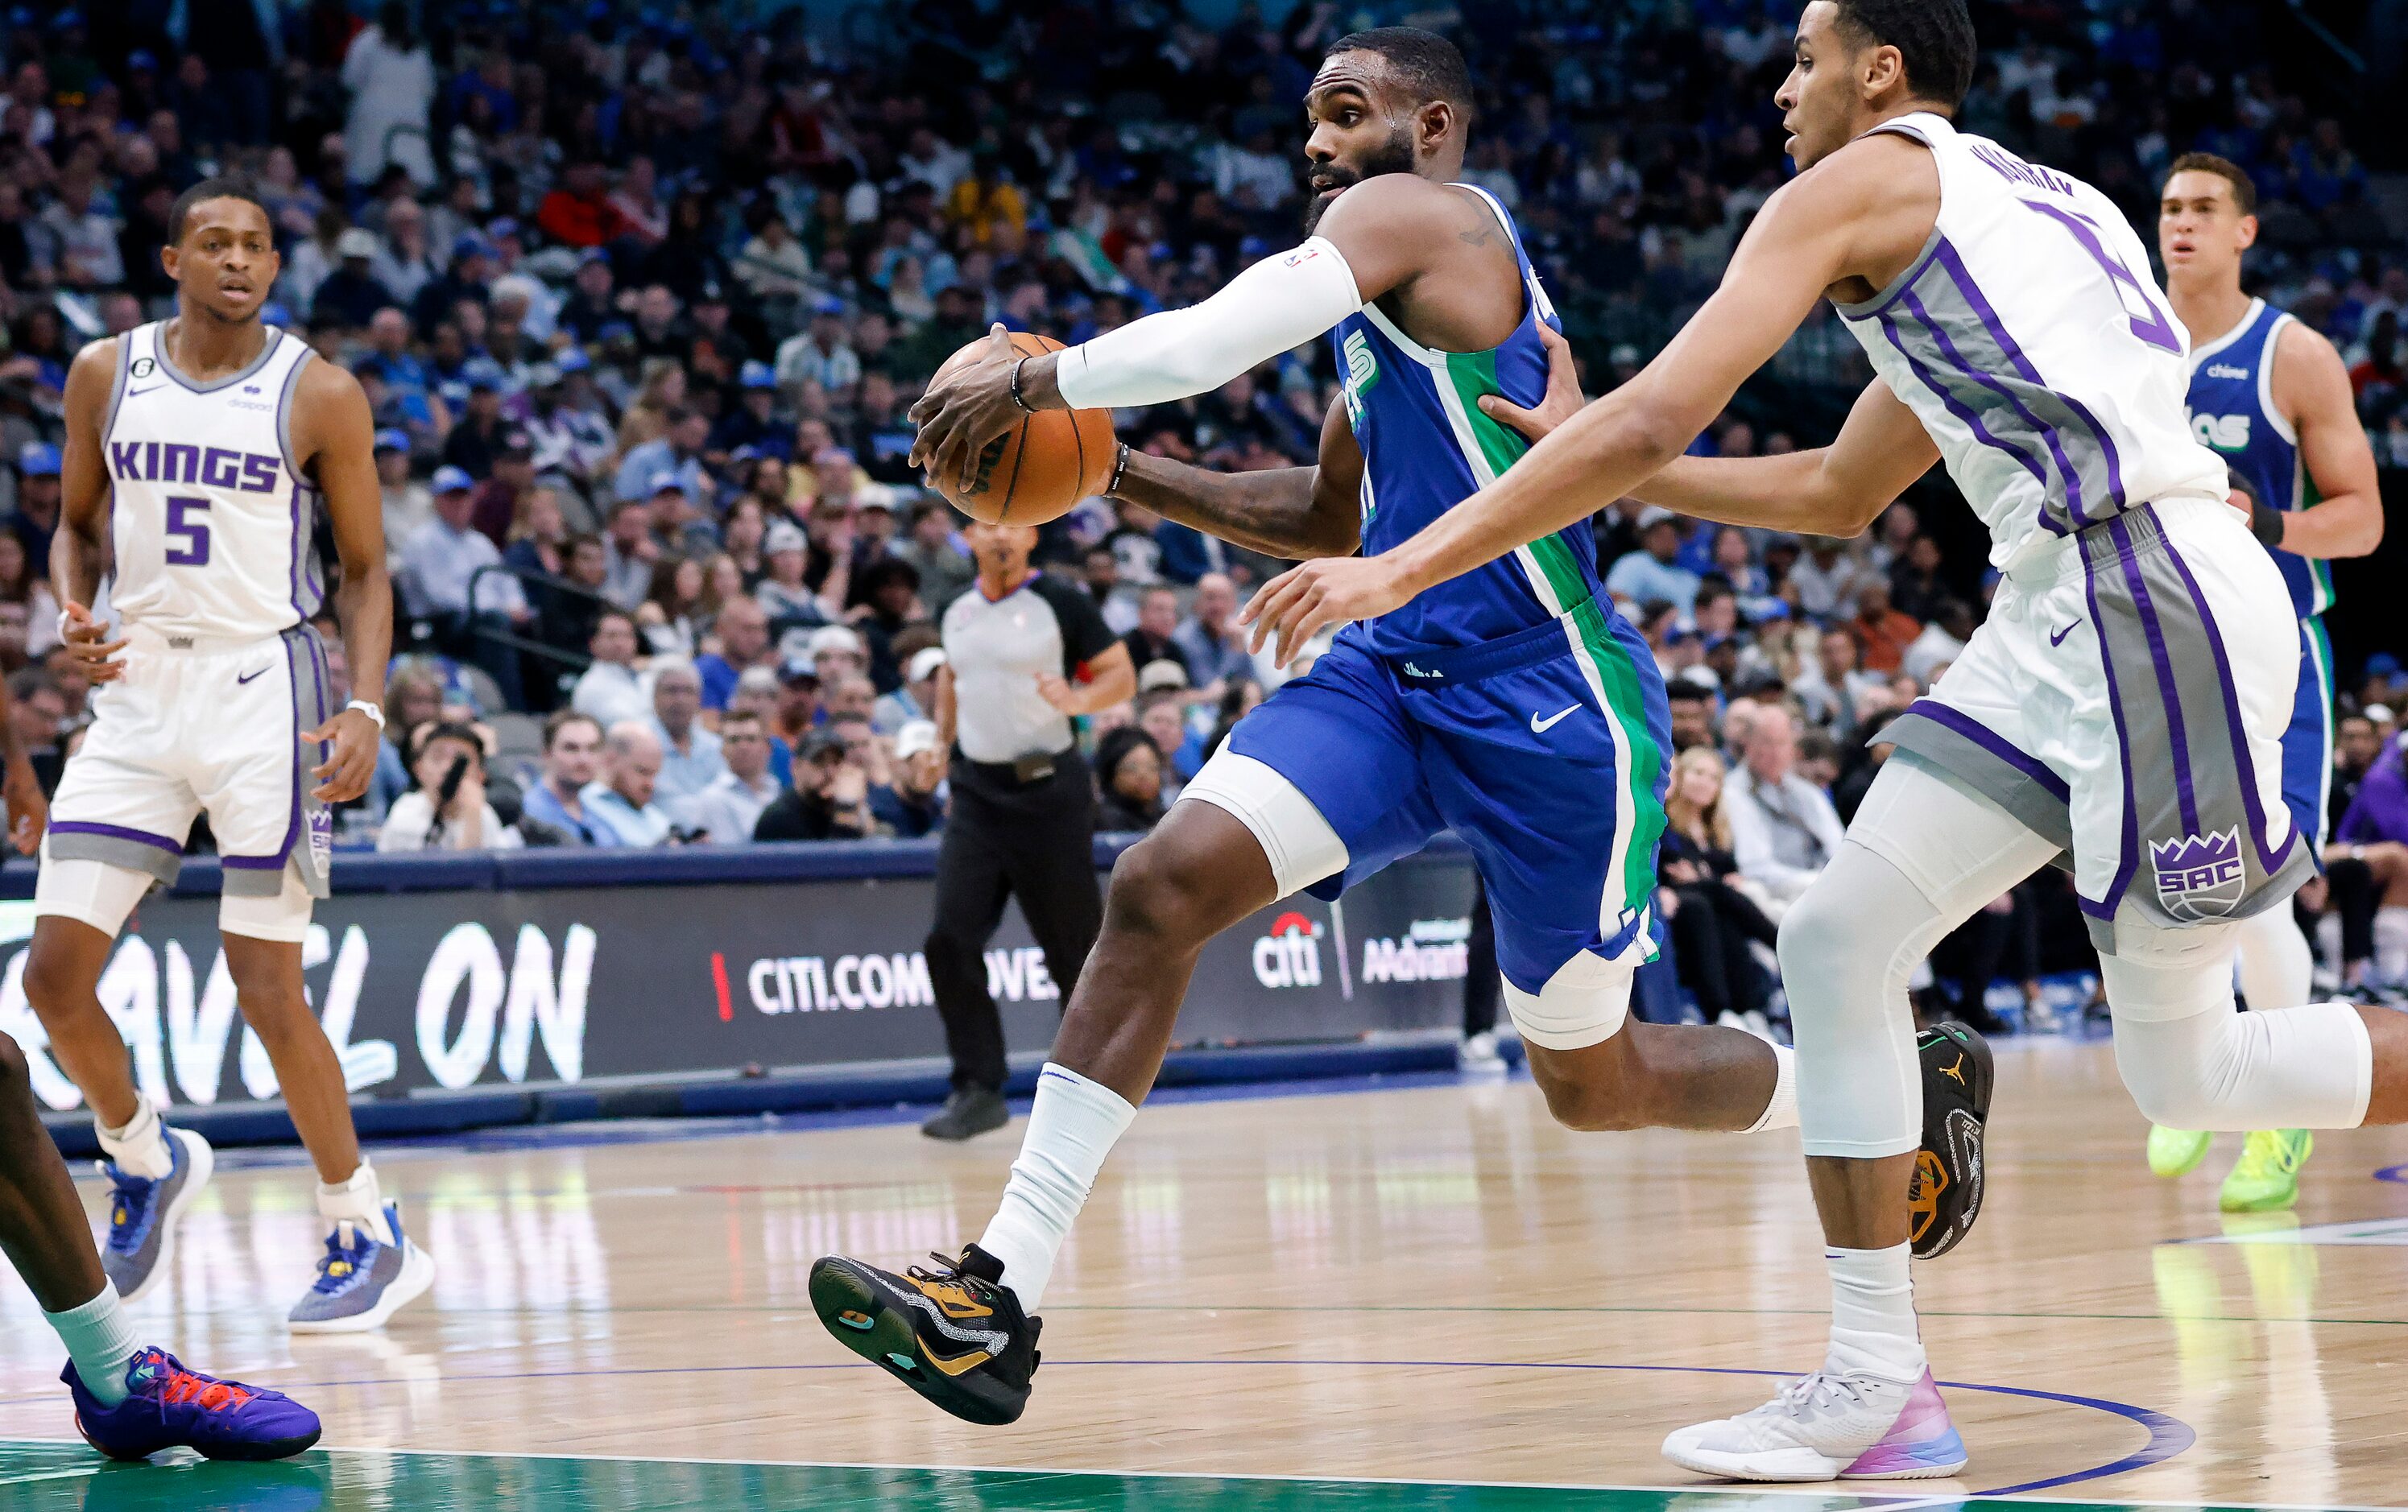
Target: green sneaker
{"x": 2174, "y": 1152}
{"x": 2266, "y": 1178}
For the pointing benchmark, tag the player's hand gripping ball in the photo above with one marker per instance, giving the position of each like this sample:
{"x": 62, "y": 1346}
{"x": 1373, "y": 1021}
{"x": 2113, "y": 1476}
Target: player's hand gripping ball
{"x": 993, "y": 459}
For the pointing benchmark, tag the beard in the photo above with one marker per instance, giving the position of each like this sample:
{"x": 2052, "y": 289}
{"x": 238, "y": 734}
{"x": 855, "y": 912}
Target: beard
{"x": 1394, "y": 156}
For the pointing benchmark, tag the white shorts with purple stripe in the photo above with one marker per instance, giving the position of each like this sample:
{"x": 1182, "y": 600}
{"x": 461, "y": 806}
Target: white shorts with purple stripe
{"x": 2126, "y": 699}
{"x": 200, "y": 727}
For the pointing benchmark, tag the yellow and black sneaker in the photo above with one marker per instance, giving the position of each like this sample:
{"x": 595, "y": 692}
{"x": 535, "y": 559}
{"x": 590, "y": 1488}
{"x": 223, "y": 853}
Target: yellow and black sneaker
{"x": 1946, "y": 1194}
{"x": 956, "y": 1335}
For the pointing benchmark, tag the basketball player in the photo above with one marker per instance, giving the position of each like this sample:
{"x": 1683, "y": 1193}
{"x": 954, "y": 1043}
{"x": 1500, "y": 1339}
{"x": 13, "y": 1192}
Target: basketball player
{"x": 197, "y": 451}
{"x": 2273, "y": 398}
{"x": 1513, "y": 706}
{"x": 2124, "y": 700}
{"x": 131, "y": 1401}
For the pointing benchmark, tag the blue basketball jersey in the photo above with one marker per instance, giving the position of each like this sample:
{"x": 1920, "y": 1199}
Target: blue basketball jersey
{"x": 1426, "y": 447}
{"x": 2232, "y": 411}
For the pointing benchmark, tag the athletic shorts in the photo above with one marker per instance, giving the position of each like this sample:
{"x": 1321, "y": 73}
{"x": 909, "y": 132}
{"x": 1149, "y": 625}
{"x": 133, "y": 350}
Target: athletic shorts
{"x": 1545, "y": 751}
{"x": 200, "y": 727}
{"x": 2127, "y": 698}
{"x": 2308, "y": 744}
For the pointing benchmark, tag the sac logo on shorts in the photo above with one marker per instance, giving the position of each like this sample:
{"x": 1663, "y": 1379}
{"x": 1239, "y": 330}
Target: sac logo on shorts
{"x": 2200, "y": 876}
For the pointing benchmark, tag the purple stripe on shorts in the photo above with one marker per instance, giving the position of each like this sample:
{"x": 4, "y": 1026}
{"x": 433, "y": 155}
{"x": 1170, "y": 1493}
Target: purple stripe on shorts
{"x": 2130, "y": 846}
{"x": 2270, "y": 860}
{"x": 117, "y": 832}
{"x": 2163, "y": 663}
{"x": 255, "y": 863}
{"x": 1995, "y": 743}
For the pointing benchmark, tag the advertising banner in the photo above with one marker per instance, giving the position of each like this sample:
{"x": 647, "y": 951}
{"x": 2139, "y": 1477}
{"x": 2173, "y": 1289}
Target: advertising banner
{"x": 451, "y": 990}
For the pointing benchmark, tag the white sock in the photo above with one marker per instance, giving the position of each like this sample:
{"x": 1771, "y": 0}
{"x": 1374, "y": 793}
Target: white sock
{"x": 1782, "y": 1112}
{"x": 357, "y": 1202}
{"x": 1872, "y": 1313}
{"x": 2391, "y": 943}
{"x": 1071, "y": 1128}
{"x": 139, "y": 1146}
{"x": 100, "y": 1340}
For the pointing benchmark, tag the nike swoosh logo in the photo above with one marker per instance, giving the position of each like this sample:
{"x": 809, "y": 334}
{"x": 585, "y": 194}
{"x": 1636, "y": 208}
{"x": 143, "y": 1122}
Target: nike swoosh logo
{"x": 261, "y": 673}
{"x": 1539, "y": 726}
{"x": 2057, "y": 637}
{"x": 136, "y": 393}
{"x": 957, "y": 1364}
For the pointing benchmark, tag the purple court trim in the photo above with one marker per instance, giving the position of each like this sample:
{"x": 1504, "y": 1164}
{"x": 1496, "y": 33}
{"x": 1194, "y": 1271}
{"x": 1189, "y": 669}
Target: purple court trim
{"x": 2130, "y": 846}
{"x": 2271, "y": 860}
{"x": 1993, "y": 742}
{"x": 117, "y": 832}
{"x": 2162, "y": 661}
{"x": 2168, "y": 1436}
{"x": 2008, "y": 348}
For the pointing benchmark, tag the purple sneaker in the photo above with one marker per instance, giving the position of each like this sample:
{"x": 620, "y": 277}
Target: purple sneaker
{"x": 167, "y": 1406}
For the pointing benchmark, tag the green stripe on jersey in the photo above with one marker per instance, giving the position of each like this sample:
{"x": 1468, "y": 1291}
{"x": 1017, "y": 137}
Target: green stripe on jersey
{"x": 1626, "y": 706}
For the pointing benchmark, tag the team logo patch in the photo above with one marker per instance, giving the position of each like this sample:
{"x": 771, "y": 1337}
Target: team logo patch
{"x": 2200, "y": 876}
{"x": 321, "y": 838}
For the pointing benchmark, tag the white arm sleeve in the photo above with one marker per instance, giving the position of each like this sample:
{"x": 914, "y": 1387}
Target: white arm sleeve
{"x": 1279, "y": 303}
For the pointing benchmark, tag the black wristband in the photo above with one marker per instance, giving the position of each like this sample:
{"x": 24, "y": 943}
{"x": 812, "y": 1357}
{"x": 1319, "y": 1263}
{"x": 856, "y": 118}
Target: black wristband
{"x": 1024, "y": 406}
{"x": 2266, "y": 523}
{"x": 1120, "y": 466}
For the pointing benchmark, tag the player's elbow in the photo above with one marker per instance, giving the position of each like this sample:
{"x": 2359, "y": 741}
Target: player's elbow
{"x": 1330, "y": 534}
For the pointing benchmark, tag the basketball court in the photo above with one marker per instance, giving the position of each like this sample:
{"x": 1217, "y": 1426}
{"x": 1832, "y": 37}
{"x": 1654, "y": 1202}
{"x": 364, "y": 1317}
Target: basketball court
{"x": 1416, "y": 1293}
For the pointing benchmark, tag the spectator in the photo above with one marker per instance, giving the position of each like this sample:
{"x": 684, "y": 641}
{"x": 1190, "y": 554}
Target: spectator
{"x": 613, "y": 690}
{"x": 1940, "y": 643}
{"x": 829, "y": 799}
{"x": 672, "y": 459}
{"x": 391, "y": 77}
{"x": 1784, "y": 830}
{"x": 1883, "y": 634}
{"x": 917, "y": 698}
{"x": 743, "y": 645}
{"x": 447, "y": 810}
{"x": 1154, "y": 637}
{"x": 727, "y": 808}
{"x": 1212, "y": 643}
{"x": 629, "y": 552}
{"x": 1824, "y": 583}
{"x": 919, "y": 778}
{"x": 691, "y": 758}
{"x": 572, "y": 754}
{"x": 1128, "y": 780}
{"x": 786, "y": 595}
{"x": 350, "y": 296}
{"x": 1713, "y": 924}
{"x": 36, "y": 518}
{"x": 945, "y": 567}
{"x": 621, "y": 799}
{"x": 1653, "y": 574}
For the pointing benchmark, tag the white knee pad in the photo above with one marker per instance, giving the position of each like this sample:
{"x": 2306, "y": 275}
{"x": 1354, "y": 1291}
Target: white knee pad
{"x": 91, "y": 892}
{"x": 1584, "y": 1004}
{"x": 1299, "y": 844}
{"x": 283, "y": 918}
{"x": 2277, "y": 969}
{"x": 2391, "y": 943}
{"x": 2309, "y": 1067}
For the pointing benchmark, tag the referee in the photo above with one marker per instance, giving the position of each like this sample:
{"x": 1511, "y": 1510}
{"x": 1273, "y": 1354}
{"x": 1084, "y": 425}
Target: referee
{"x": 1022, "y": 654}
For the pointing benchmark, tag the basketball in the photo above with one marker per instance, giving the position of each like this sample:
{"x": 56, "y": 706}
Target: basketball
{"x": 1036, "y": 470}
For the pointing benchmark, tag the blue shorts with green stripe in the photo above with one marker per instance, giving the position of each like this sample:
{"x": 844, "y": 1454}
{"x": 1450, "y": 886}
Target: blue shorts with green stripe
{"x": 2308, "y": 743}
{"x": 1545, "y": 751}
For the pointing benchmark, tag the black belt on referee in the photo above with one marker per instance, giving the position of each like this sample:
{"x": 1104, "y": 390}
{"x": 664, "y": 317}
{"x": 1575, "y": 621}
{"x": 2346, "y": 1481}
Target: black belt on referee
{"x": 1022, "y": 771}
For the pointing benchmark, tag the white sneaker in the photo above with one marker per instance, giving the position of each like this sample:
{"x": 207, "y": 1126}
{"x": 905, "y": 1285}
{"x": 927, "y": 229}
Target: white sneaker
{"x": 1850, "y": 1425}
{"x": 1476, "y": 1056}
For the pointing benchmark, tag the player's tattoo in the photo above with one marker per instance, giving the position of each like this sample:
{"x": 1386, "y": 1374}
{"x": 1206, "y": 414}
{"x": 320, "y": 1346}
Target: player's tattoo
{"x": 1478, "y": 236}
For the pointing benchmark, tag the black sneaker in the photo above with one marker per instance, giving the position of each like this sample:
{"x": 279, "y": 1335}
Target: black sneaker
{"x": 956, "y": 1335}
{"x": 969, "y": 1112}
{"x": 1946, "y": 1194}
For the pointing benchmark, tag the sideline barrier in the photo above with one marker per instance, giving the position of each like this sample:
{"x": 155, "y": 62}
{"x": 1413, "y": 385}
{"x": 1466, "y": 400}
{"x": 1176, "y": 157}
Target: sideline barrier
{"x": 512, "y": 987}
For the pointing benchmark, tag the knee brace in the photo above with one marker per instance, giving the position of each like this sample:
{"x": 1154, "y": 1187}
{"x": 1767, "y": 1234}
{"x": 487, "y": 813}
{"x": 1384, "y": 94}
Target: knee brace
{"x": 1299, "y": 843}
{"x": 283, "y": 916}
{"x": 91, "y": 892}
{"x": 2192, "y": 1062}
{"x": 1585, "y": 1002}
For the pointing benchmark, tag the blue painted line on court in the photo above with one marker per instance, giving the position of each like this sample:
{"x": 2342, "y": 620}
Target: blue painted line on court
{"x": 2393, "y": 1172}
{"x": 2168, "y": 1436}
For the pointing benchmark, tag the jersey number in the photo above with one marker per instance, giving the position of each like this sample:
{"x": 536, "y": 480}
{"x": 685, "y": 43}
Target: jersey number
{"x": 2149, "y": 323}
{"x": 188, "y": 534}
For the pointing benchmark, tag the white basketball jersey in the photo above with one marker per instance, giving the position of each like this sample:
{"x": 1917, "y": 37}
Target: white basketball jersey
{"x": 211, "y": 518}
{"x": 2033, "y": 341}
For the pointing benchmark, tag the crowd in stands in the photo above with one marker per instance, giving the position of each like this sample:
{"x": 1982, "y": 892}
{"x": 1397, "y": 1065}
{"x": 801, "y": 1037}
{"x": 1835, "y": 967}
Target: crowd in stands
{"x": 640, "y": 300}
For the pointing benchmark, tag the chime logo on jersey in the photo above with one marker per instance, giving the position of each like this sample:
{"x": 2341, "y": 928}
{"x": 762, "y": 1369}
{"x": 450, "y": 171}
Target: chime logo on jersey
{"x": 1290, "y": 954}
{"x": 174, "y": 462}
{"x": 2200, "y": 876}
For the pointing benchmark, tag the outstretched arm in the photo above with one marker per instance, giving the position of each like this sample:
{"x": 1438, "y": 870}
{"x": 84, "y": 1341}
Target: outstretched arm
{"x": 2311, "y": 386}
{"x": 333, "y": 434}
{"x": 1836, "y": 490}
{"x": 1861, "y": 214}
{"x": 1288, "y": 512}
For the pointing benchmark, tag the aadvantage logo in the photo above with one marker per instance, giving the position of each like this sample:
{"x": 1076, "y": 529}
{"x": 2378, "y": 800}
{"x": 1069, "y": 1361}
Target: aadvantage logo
{"x": 1362, "y": 371}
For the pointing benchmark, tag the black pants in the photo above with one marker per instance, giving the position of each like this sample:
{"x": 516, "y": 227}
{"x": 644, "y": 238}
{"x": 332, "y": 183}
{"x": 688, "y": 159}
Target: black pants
{"x": 2356, "y": 897}
{"x": 1710, "y": 930}
{"x": 1002, "y": 840}
{"x": 1481, "y": 984}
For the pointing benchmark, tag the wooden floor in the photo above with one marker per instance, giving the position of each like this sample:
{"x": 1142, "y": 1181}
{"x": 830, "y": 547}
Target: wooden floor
{"x": 1429, "y": 1283}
